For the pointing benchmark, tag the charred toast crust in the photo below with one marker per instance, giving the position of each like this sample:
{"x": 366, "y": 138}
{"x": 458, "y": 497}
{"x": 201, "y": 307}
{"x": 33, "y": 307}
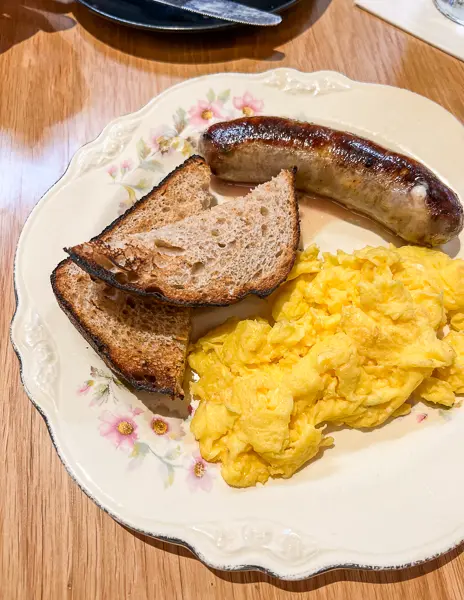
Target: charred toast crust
{"x": 174, "y": 389}
{"x": 94, "y": 269}
{"x": 347, "y": 150}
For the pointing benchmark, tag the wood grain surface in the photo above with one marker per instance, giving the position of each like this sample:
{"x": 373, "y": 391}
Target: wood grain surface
{"x": 64, "y": 74}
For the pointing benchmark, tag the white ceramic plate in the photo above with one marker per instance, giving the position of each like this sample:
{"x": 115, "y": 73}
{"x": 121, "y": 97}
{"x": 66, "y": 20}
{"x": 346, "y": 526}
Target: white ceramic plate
{"x": 383, "y": 499}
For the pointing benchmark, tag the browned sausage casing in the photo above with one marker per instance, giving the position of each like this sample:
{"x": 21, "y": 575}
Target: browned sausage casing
{"x": 397, "y": 191}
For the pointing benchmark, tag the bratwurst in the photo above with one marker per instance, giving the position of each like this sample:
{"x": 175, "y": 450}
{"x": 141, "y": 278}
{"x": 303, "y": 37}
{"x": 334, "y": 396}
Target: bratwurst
{"x": 393, "y": 189}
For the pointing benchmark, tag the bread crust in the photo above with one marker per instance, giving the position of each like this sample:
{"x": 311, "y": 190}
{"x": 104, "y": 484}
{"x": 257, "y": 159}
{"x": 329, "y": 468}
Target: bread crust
{"x": 83, "y": 255}
{"x": 168, "y": 377}
{"x": 166, "y": 371}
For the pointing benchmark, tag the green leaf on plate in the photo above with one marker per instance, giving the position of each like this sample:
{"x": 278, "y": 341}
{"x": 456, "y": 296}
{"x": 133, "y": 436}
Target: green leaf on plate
{"x": 131, "y": 192}
{"x": 142, "y": 184}
{"x": 101, "y": 390}
{"x": 173, "y": 454}
{"x": 152, "y": 165}
{"x": 170, "y": 478}
{"x": 211, "y": 96}
{"x": 224, "y": 96}
{"x": 180, "y": 120}
{"x": 140, "y": 449}
{"x": 142, "y": 149}
{"x": 187, "y": 149}
{"x": 118, "y": 383}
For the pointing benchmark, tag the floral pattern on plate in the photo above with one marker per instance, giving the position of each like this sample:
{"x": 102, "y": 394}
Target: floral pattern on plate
{"x": 121, "y": 427}
{"x": 181, "y": 137}
{"x": 231, "y": 529}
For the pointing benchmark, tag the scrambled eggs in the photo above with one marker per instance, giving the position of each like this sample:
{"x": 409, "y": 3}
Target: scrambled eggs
{"x": 352, "y": 336}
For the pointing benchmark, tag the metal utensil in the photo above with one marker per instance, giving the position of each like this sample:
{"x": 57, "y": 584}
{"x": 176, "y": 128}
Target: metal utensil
{"x": 226, "y": 10}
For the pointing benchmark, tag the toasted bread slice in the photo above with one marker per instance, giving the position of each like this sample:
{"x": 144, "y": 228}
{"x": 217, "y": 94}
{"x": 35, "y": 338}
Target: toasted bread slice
{"x": 143, "y": 341}
{"x": 244, "y": 246}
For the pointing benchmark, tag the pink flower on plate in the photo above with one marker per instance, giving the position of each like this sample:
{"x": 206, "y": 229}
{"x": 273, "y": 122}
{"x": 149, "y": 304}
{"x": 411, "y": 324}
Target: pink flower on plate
{"x": 421, "y": 417}
{"x": 248, "y": 104}
{"x": 126, "y": 166}
{"x": 85, "y": 387}
{"x": 120, "y": 430}
{"x": 112, "y": 171}
{"x": 171, "y": 429}
{"x": 199, "y": 474}
{"x": 137, "y": 411}
{"x": 204, "y": 112}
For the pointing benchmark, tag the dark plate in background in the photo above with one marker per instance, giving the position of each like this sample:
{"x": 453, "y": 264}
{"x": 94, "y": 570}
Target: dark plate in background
{"x": 146, "y": 14}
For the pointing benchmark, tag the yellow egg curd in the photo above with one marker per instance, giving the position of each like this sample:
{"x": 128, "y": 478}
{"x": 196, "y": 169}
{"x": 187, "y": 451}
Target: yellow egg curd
{"x": 352, "y": 336}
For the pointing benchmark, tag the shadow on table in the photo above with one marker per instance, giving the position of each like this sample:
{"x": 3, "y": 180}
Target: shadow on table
{"x": 34, "y": 108}
{"x": 22, "y": 19}
{"x": 205, "y": 47}
{"x": 318, "y": 581}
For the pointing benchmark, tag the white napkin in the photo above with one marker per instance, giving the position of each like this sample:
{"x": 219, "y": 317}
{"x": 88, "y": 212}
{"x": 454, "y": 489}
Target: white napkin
{"x": 422, "y": 19}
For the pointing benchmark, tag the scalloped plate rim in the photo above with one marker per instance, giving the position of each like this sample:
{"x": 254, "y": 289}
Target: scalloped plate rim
{"x": 61, "y": 182}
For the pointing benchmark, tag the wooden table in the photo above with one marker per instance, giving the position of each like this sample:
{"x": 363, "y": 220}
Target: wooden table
{"x": 64, "y": 74}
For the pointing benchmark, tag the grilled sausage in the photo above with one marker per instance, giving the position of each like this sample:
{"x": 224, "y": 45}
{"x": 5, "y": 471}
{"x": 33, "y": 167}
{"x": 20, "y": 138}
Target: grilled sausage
{"x": 394, "y": 190}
